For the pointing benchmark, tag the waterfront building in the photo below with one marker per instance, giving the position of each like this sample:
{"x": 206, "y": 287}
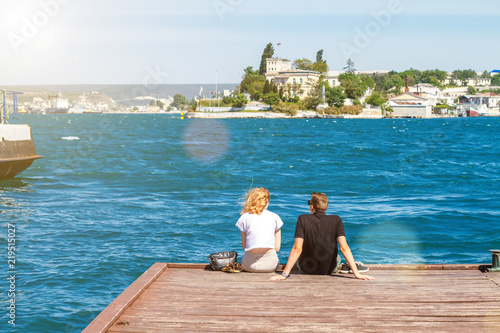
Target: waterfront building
{"x": 410, "y": 105}
{"x": 280, "y": 73}
{"x": 490, "y": 100}
{"x": 332, "y": 77}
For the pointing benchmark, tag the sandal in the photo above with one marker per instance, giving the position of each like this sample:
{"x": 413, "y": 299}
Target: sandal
{"x": 232, "y": 268}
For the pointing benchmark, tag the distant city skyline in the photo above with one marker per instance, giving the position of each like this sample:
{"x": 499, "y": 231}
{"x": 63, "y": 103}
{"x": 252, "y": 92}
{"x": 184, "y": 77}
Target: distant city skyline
{"x": 197, "y": 41}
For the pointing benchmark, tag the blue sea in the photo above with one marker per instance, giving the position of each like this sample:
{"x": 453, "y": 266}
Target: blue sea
{"x": 115, "y": 193}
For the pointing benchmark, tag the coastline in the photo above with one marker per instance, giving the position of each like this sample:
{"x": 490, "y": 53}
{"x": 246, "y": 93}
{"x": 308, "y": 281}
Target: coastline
{"x": 300, "y": 115}
{"x": 275, "y": 115}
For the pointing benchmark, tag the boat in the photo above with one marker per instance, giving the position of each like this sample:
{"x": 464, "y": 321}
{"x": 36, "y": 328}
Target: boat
{"x": 83, "y": 106}
{"x": 17, "y": 149}
{"x": 472, "y": 113}
{"x": 57, "y": 104}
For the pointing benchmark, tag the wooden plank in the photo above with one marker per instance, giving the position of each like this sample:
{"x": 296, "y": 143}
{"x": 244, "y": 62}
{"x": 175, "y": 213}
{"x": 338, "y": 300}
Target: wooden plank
{"x": 371, "y": 266}
{"x": 194, "y": 298}
{"x": 112, "y": 312}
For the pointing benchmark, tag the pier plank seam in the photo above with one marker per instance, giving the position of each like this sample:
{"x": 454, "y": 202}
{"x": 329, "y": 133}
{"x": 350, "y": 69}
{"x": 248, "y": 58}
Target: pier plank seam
{"x": 114, "y": 310}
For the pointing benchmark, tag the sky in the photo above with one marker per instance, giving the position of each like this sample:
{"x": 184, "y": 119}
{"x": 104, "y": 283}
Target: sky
{"x": 204, "y": 41}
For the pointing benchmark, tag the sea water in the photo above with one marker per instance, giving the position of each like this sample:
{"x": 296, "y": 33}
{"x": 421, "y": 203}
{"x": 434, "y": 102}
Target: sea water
{"x": 115, "y": 193}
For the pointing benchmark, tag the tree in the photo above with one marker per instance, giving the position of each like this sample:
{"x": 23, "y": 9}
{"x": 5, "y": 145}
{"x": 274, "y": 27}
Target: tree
{"x": 315, "y": 96}
{"x": 179, "y": 101}
{"x": 281, "y": 92}
{"x": 335, "y": 96}
{"x": 303, "y": 64}
{"x": 159, "y": 103}
{"x": 463, "y": 75}
{"x": 485, "y": 74}
{"x": 383, "y": 82}
{"x": 367, "y": 81}
{"x": 268, "y": 88}
{"x": 271, "y": 99}
{"x": 495, "y": 80}
{"x": 350, "y": 67}
{"x": 268, "y": 53}
{"x": 239, "y": 100}
{"x": 471, "y": 90}
{"x": 252, "y": 83}
{"x": 320, "y": 64}
{"x": 434, "y": 77}
{"x": 376, "y": 99}
{"x": 352, "y": 85}
{"x": 386, "y": 108}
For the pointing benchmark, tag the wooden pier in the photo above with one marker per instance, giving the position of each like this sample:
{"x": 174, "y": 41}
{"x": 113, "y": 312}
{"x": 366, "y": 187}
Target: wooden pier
{"x": 416, "y": 298}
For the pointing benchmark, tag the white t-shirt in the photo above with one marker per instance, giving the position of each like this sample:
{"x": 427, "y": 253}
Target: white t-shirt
{"x": 259, "y": 229}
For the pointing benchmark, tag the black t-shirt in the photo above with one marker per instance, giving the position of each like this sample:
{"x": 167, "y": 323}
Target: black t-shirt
{"x": 320, "y": 232}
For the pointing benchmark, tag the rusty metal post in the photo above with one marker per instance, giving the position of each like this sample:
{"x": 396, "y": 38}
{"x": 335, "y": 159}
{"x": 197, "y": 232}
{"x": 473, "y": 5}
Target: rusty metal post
{"x": 495, "y": 267}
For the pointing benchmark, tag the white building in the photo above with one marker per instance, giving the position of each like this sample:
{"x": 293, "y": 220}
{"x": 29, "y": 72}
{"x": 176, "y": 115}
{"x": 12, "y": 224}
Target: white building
{"x": 491, "y": 100}
{"x": 279, "y": 72}
{"x": 478, "y": 81}
{"x": 332, "y": 77}
{"x": 409, "y": 105}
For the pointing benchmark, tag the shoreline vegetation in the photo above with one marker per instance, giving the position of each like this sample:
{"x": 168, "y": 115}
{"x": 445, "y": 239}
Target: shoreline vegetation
{"x": 281, "y": 88}
{"x": 298, "y": 87}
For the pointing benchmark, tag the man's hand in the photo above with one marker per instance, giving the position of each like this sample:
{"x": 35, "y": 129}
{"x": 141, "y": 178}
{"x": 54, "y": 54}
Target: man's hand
{"x": 364, "y": 277}
{"x": 277, "y": 278}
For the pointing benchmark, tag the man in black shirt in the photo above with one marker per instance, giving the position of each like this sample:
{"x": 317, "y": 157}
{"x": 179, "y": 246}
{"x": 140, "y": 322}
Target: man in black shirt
{"x": 315, "y": 248}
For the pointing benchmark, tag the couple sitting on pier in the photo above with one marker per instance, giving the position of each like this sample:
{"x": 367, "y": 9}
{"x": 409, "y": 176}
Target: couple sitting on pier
{"x": 316, "y": 236}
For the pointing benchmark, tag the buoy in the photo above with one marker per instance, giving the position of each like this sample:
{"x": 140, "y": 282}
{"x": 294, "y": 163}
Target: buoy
{"x": 182, "y": 115}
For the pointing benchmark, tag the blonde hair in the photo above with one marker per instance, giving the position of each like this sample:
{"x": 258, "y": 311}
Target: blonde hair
{"x": 256, "y": 200}
{"x": 319, "y": 202}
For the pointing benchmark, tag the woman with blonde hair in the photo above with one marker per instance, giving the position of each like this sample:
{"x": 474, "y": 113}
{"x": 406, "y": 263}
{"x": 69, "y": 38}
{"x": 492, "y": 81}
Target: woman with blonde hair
{"x": 260, "y": 233}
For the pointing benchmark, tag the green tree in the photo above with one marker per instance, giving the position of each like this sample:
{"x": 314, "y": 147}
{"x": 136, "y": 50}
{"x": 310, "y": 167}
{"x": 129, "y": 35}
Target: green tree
{"x": 462, "y": 75}
{"x": 495, "y": 80}
{"x": 252, "y": 83}
{"x": 376, "y": 99}
{"x": 268, "y": 53}
{"x": 383, "y": 82}
{"x": 397, "y": 82}
{"x": 434, "y": 77}
{"x": 352, "y": 84}
{"x": 303, "y": 64}
{"x": 271, "y": 99}
{"x": 386, "y": 108}
{"x": 471, "y": 90}
{"x": 335, "y": 96}
{"x": 320, "y": 64}
{"x": 367, "y": 80}
{"x": 267, "y": 87}
{"x": 179, "y": 101}
{"x": 350, "y": 67}
{"x": 239, "y": 100}
{"x": 315, "y": 96}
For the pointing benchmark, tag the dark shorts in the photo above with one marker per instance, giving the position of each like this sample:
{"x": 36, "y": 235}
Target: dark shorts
{"x": 335, "y": 270}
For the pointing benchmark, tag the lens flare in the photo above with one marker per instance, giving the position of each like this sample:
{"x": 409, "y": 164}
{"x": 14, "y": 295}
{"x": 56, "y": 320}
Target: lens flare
{"x": 206, "y": 140}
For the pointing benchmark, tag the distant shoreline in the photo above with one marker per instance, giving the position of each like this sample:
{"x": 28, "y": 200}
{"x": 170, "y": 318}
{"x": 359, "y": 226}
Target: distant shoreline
{"x": 300, "y": 115}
